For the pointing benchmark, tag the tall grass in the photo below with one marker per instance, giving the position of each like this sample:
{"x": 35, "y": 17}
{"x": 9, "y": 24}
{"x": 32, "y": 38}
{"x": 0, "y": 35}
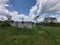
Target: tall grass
{"x": 19, "y": 36}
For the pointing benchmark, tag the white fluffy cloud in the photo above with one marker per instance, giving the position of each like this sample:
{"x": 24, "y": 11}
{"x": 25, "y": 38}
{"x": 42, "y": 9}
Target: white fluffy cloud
{"x": 33, "y": 10}
{"x": 20, "y": 17}
{"x": 3, "y": 9}
{"x": 58, "y": 19}
{"x": 3, "y": 18}
{"x": 45, "y": 6}
{"x": 14, "y": 14}
{"x": 42, "y": 7}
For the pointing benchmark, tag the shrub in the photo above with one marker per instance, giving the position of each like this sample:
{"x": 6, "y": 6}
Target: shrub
{"x": 5, "y": 23}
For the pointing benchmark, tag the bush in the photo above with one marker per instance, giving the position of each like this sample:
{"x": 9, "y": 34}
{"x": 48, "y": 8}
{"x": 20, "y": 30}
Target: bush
{"x": 5, "y": 23}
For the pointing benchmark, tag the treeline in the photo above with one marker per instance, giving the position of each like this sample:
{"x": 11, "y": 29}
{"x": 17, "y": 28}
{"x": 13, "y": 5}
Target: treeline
{"x": 4, "y": 23}
{"x": 50, "y": 24}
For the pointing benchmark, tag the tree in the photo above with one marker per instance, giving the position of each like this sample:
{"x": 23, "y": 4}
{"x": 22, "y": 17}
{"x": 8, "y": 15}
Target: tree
{"x": 46, "y": 20}
{"x": 50, "y": 20}
{"x": 53, "y": 20}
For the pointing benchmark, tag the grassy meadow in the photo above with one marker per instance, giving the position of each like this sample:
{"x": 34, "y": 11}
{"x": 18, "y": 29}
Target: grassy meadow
{"x": 40, "y": 35}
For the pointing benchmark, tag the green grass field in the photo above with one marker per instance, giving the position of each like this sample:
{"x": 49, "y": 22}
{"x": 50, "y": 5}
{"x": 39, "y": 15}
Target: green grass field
{"x": 40, "y": 35}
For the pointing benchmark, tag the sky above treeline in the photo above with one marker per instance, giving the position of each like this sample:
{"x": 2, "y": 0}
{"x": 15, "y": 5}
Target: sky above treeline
{"x": 29, "y": 9}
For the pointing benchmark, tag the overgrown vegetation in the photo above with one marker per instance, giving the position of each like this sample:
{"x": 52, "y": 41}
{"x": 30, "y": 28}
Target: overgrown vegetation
{"x": 50, "y": 24}
{"x": 4, "y": 23}
{"x": 40, "y": 35}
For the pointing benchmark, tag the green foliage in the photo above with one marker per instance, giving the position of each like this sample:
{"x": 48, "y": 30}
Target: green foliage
{"x": 50, "y": 24}
{"x": 40, "y": 35}
{"x": 18, "y": 36}
{"x": 4, "y": 23}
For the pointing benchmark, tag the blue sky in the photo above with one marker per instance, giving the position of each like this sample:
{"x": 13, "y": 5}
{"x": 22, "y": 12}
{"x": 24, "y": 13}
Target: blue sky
{"x": 22, "y": 6}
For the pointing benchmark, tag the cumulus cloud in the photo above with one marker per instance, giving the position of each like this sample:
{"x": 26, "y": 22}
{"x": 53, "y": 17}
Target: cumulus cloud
{"x": 42, "y": 7}
{"x": 46, "y": 6}
{"x": 17, "y": 17}
{"x": 3, "y": 18}
{"x": 20, "y": 17}
{"x": 33, "y": 10}
{"x": 58, "y": 19}
{"x": 14, "y": 14}
{"x": 3, "y": 9}
{"x": 5, "y": 12}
